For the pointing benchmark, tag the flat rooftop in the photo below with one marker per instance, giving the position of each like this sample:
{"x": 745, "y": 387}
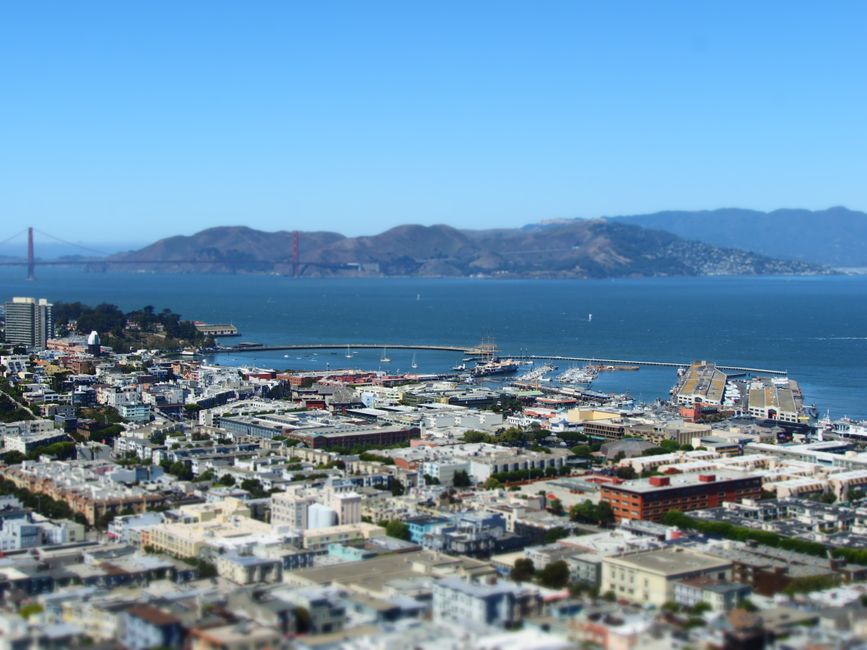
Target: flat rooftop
{"x": 704, "y": 380}
{"x": 678, "y": 481}
{"x": 672, "y": 561}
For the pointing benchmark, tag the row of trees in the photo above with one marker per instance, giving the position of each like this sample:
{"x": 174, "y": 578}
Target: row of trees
{"x": 58, "y": 450}
{"x": 43, "y": 504}
{"x": 765, "y": 537}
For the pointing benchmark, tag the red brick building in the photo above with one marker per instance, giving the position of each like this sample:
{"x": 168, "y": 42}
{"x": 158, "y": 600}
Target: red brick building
{"x": 649, "y": 499}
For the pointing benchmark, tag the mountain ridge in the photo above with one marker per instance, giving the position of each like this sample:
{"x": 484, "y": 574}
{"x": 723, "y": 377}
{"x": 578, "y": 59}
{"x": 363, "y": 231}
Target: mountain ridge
{"x": 836, "y": 236}
{"x": 595, "y": 248}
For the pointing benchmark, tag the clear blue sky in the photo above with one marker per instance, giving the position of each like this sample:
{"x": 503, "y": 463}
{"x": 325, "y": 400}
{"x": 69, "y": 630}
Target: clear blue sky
{"x": 128, "y": 122}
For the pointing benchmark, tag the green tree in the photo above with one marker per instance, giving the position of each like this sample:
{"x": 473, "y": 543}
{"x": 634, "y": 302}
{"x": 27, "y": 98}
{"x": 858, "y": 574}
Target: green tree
{"x": 13, "y": 457}
{"x": 476, "y": 436}
{"x": 582, "y": 451}
{"x": 254, "y": 487}
{"x": 600, "y": 513}
{"x": 397, "y": 488}
{"x": 555, "y": 533}
{"x": 397, "y": 528}
{"x": 461, "y": 479}
{"x": 492, "y": 483}
{"x": 555, "y": 507}
{"x": 226, "y": 480}
{"x": 523, "y": 570}
{"x": 555, "y": 575}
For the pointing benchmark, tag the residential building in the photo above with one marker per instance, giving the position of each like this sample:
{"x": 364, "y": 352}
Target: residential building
{"x": 651, "y": 576}
{"x": 501, "y": 604}
{"x": 29, "y": 322}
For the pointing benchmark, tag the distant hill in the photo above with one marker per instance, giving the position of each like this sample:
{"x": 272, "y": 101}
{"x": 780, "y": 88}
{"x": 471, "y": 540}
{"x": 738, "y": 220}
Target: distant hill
{"x": 834, "y": 237}
{"x": 572, "y": 249}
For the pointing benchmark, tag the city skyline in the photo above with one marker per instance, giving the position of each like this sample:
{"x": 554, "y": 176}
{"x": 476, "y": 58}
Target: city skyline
{"x": 128, "y": 125}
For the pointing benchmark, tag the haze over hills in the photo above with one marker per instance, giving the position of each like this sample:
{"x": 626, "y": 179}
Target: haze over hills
{"x": 574, "y": 249}
{"x": 834, "y": 237}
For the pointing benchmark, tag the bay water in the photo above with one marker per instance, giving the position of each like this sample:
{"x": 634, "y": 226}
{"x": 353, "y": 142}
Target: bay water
{"x": 814, "y": 327}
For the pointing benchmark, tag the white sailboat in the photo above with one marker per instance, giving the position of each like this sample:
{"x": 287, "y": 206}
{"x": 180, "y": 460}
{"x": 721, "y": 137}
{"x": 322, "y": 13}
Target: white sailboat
{"x": 414, "y": 364}
{"x": 385, "y": 358}
{"x": 348, "y": 352}
{"x": 589, "y": 318}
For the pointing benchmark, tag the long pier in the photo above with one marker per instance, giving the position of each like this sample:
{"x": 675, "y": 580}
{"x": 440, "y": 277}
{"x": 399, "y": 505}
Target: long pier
{"x": 658, "y": 364}
{"x": 471, "y": 350}
{"x": 468, "y": 350}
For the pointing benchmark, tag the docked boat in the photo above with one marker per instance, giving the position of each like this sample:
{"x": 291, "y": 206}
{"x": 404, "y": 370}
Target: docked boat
{"x": 842, "y": 428}
{"x": 495, "y": 367}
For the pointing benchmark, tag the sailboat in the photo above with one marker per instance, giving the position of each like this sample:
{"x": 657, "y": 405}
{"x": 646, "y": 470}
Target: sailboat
{"x": 589, "y": 318}
{"x": 414, "y": 364}
{"x": 348, "y": 352}
{"x": 385, "y": 358}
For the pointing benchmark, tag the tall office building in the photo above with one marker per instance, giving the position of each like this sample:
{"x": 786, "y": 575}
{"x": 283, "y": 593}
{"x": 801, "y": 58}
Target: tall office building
{"x": 29, "y": 322}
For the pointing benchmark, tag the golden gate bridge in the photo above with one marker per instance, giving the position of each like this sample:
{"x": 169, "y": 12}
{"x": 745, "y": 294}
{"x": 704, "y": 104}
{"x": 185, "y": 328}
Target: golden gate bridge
{"x": 103, "y": 260}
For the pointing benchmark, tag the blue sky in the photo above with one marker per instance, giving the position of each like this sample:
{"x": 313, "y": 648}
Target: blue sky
{"x": 126, "y": 122}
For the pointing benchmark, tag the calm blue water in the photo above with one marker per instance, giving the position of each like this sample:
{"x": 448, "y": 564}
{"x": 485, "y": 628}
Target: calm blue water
{"x": 814, "y": 327}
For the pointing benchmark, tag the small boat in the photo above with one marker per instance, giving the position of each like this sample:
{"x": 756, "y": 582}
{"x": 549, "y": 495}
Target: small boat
{"x": 188, "y": 352}
{"x": 414, "y": 364}
{"x": 589, "y": 318}
{"x": 459, "y": 367}
{"x": 385, "y": 358}
{"x": 348, "y": 352}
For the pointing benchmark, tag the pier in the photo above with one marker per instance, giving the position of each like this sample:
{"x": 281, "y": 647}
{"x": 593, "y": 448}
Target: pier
{"x": 471, "y": 350}
{"x": 659, "y": 364}
{"x": 468, "y": 350}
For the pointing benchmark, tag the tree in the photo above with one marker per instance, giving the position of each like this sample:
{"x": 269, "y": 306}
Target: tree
{"x": 397, "y": 528}
{"x": 555, "y": 507}
{"x": 461, "y": 479}
{"x": 226, "y": 480}
{"x": 700, "y": 608}
{"x": 181, "y": 470}
{"x": 626, "y": 472}
{"x": 476, "y": 436}
{"x": 397, "y": 488}
{"x": 492, "y": 484}
{"x": 555, "y": 575}
{"x": 13, "y": 457}
{"x": 582, "y": 451}
{"x": 523, "y": 570}
{"x": 554, "y": 534}
{"x": 254, "y": 487}
{"x": 600, "y": 513}
{"x": 604, "y": 514}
